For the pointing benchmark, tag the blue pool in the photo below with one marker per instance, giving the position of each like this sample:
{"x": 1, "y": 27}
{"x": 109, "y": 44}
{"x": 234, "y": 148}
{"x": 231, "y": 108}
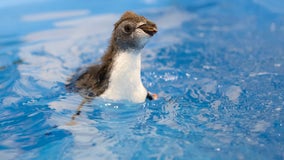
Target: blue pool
{"x": 217, "y": 66}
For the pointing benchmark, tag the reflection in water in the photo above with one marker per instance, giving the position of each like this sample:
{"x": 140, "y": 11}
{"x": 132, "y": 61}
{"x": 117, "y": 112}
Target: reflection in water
{"x": 88, "y": 141}
{"x": 54, "y": 15}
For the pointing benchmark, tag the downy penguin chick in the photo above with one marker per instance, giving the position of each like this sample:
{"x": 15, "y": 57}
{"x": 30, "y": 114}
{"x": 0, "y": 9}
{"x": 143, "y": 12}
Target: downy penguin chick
{"x": 118, "y": 76}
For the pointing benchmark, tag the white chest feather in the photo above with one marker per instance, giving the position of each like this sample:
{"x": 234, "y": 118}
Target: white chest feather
{"x": 125, "y": 80}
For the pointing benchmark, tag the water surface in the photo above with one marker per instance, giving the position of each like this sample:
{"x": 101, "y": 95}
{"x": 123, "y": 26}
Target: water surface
{"x": 217, "y": 67}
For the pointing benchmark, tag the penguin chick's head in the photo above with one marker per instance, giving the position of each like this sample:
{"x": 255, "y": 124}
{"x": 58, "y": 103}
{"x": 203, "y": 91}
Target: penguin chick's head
{"x": 132, "y": 31}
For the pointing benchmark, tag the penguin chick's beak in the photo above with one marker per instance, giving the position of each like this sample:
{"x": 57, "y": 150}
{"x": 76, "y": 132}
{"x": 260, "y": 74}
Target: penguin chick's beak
{"x": 149, "y": 28}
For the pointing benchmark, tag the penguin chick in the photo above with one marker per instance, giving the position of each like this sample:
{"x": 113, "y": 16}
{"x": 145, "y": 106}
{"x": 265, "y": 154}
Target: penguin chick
{"x": 118, "y": 76}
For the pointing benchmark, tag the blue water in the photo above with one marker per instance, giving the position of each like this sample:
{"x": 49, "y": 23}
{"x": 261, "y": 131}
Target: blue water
{"x": 217, "y": 66}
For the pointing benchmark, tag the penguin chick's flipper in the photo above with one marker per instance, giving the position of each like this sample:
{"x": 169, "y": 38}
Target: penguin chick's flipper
{"x": 152, "y": 96}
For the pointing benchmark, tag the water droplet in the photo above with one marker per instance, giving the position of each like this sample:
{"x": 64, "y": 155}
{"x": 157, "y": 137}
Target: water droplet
{"x": 108, "y": 104}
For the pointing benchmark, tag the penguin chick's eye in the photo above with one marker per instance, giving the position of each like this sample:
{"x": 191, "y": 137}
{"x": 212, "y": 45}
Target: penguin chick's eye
{"x": 127, "y": 28}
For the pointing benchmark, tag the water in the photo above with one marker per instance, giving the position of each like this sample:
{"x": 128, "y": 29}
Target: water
{"x": 217, "y": 66}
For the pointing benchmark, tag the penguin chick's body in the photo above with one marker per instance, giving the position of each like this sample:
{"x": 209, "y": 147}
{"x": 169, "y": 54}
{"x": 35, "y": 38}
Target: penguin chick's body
{"x": 118, "y": 76}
